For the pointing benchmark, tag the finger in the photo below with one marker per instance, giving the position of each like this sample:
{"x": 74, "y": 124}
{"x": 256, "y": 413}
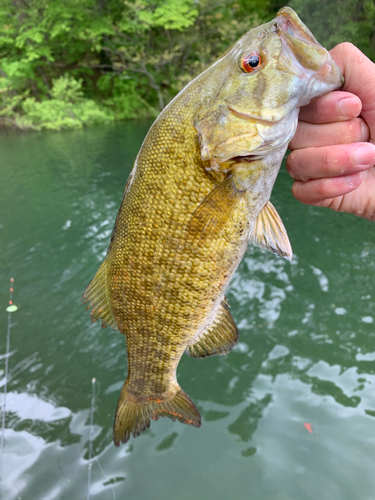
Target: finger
{"x": 310, "y": 135}
{"x": 359, "y": 73}
{"x": 331, "y": 107}
{"x": 330, "y": 161}
{"x": 318, "y": 191}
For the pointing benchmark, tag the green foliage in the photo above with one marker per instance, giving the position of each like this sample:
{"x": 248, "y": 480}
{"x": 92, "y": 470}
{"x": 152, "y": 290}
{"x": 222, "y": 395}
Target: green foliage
{"x": 67, "y": 108}
{"x": 67, "y": 89}
{"x": 169, "y": 14}
{"x": 56, "y": 115}
{"x": 125, "y": 101}
{"x": 343, "y": 21}
{"x": 75, "y": 62}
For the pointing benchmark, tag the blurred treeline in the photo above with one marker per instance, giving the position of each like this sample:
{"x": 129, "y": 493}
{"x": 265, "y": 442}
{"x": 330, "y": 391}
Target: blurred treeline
{"x": 66, "y": 63}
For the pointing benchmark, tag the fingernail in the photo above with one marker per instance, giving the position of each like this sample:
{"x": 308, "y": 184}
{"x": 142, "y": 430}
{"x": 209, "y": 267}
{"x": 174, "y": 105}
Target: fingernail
{"x": 350, "y": 106}
{"x": 353, "y": 180}
{"x": 364, "y": 155}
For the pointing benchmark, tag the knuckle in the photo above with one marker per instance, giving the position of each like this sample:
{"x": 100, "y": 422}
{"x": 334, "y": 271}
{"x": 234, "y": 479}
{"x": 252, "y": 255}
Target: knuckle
{"x": 294, "y": 142}
{"x": 290, "y": 163}
{"x": 296, "y": 190}
{"x": 327, "y": 160}
{"x": 322, "y": 188}
{"x": 301, "y": 192}
{"x": 349, "y": 52}
{"x": 347, "y": 47}
{"x": 344, "y": 48}
{"x": 324, "y": 203}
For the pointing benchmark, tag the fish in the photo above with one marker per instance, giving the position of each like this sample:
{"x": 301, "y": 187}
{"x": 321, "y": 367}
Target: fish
{"x": 198, "y": 194}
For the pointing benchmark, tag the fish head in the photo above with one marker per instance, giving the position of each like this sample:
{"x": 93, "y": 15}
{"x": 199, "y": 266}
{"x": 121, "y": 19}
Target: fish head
{"x": 252, "y": 94}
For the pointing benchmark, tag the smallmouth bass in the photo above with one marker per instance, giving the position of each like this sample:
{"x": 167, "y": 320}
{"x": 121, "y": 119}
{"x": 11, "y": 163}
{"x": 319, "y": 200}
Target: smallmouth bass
{"x": 197, "y": 195}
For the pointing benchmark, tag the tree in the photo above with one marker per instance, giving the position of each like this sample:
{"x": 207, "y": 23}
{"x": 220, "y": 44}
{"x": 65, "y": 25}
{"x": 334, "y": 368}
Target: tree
{"x": 127, "y": 59}
{"x": 341, "y": 21}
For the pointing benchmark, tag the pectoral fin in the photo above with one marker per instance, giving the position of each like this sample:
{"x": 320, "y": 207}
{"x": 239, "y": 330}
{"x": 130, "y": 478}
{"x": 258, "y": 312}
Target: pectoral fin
{"x": 269, "y": 233}
{"x": 219, "y": 338}
{"x": 215, "y": 210}
{"x": 97, "y": 293}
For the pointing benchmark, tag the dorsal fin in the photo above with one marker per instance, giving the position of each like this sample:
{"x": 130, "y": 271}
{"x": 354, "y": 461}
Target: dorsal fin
{"x": 219, "y": 338}
{"x": 97, "y": 293}
{"x": 269, "y": 233}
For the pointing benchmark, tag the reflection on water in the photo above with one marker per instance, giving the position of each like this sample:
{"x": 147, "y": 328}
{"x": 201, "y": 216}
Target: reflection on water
{"x": 34, "y": 456}
{"x": 306, "y": 352}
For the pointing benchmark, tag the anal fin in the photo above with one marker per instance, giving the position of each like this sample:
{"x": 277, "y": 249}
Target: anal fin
{"x": 97, "y": 293}
{"x": 269, "y": 233}
{"x": 219, "y": 338}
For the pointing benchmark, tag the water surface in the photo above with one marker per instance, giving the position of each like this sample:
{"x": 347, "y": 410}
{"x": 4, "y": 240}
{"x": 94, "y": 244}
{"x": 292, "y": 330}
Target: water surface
{"x": 306, "y": 352}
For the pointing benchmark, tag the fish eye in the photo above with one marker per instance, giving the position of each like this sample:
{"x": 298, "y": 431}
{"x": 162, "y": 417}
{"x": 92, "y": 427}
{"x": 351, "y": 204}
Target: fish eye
{"x": 250, "y": 61}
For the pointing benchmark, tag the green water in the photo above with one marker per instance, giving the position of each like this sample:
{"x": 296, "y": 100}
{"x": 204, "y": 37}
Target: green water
{"x": 306, "y": 351}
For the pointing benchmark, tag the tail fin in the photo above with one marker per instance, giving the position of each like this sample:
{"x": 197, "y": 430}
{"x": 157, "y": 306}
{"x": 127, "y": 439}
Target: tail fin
{"x": 133, "y": 417}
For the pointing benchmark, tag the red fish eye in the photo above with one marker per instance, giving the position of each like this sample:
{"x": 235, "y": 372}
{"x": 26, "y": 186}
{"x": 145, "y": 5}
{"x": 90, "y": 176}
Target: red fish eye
{"x": 251, "y": 61}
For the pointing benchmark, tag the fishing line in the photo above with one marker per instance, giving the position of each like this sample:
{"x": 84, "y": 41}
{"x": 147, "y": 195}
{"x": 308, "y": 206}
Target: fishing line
{"x": 93, "y": 381}
{"x": 11, "y": 308}
{"x": 106, "y": 478}
{"x": 94, "y": 394}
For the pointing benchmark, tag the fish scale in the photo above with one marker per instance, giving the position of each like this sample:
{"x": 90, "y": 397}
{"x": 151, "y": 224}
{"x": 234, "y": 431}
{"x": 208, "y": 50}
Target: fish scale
{"x": 198, "y": 193}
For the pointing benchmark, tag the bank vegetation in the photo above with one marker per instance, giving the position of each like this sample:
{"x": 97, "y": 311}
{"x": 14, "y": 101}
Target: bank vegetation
{"x": 65, "y": 64}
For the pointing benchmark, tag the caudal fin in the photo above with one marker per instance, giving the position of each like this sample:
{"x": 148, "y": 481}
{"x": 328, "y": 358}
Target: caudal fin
{"x": 133, "y": 417}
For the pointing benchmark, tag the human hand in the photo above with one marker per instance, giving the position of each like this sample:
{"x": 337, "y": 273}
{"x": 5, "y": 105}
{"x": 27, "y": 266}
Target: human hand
{"x": 333, "y": 151}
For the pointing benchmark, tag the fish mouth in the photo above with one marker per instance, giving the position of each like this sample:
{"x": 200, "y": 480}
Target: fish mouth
{"x": 226, "y": 165}
{"x": 245, "y": 158}
{"x": 315, "y": 62}
{"x": 288, "y": 23}
{"x": 298, "y": 40}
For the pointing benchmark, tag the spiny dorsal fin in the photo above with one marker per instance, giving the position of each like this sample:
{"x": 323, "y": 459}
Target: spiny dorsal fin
{"x": 215, "y": 210}
{"x": 219, "y": 338}
{"x": 97, "y": 293}
{"x": 269, "y": 233}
